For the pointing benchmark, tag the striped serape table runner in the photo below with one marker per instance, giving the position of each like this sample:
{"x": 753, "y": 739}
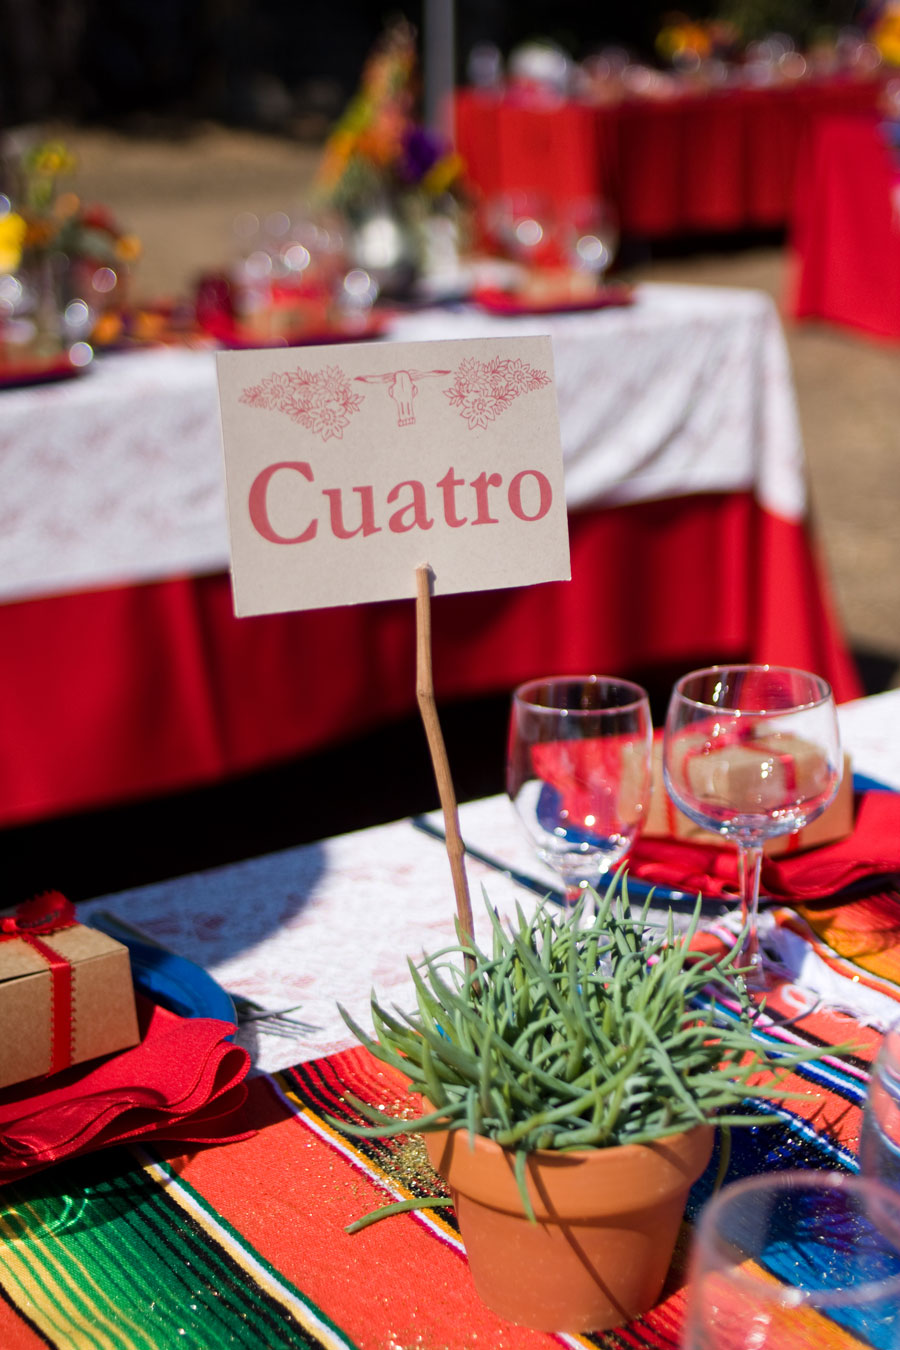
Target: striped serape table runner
{"x": 244, "y": 1245}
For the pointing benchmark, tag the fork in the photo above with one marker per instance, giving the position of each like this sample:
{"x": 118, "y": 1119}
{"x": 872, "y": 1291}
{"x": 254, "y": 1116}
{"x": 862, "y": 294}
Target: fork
{"x": 274, "y": 1021}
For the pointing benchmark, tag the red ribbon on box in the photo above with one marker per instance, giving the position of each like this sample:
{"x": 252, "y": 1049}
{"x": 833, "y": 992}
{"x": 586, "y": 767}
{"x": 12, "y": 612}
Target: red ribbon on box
{"x": 42, "y": 915}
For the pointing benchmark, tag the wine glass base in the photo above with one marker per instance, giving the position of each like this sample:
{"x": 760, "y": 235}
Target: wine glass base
{"x": 776, "y": 995}
{"x": 771, "y": 988}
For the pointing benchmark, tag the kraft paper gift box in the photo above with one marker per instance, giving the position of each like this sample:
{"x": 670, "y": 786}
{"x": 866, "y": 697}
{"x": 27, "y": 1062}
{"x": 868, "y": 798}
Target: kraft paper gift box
{"x": 737, "y": 769}
{"x": 66, "y": 993}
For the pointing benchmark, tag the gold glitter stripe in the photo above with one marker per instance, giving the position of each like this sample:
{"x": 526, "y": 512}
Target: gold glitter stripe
{"x": 405, "y": 1166}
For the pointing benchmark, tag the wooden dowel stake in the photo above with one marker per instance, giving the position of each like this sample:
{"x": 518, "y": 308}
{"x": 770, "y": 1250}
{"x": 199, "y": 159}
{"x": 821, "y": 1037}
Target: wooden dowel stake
{"x": 438, "y": 751}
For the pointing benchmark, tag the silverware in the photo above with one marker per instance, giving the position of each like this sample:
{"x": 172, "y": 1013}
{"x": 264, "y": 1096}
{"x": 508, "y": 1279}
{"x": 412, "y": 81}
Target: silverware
{"x": 541, "y": 888}
{"x": 276, "y": 1021}
{"x": 665, "y": 897}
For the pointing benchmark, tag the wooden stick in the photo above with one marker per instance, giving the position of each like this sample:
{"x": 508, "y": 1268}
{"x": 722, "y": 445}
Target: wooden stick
{"x": 446, "y": 792}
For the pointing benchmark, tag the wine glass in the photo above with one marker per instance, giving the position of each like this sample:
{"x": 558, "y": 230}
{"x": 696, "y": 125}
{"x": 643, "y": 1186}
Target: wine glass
{"x": 751, "y": 752}
{"x": 520, "y": 224}
{"x": 792, "y": 1259}
{"x": 879, "y": 1142}
{"x": 590, "y": 233}
{"x": 578, "y": 772}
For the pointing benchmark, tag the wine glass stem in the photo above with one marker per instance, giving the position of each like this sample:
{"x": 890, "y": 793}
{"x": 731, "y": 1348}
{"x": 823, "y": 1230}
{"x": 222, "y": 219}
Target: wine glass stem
{"x": 749, "y": 865}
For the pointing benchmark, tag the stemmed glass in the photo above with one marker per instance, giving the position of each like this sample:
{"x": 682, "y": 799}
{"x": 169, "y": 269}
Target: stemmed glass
{"x": 793, "y": 1259}
{"x": 521, "y": 224}
{"x": 751, "y": 752}
{"x": 879, "y": 1142}
{"x": 578, "y": 772}
{"x": 590, "y": 233}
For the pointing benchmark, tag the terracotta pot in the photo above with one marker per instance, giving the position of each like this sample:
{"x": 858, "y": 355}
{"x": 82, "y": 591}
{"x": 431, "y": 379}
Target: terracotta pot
{"x": 607, "y": 1221}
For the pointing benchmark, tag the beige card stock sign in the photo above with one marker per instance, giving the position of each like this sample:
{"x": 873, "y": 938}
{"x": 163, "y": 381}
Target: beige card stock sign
{"x": 348, "y": 467}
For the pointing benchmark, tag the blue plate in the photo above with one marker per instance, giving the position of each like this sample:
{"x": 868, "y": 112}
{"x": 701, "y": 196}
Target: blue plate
{"x": 169, "y": 980}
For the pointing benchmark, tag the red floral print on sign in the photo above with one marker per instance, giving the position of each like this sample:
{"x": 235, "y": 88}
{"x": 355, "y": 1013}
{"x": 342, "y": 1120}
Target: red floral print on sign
{"x": 322, "y": 401}
{"x": 482, "y": 390}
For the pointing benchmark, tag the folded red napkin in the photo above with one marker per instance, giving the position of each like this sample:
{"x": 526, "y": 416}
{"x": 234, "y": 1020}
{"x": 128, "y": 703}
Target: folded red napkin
{"x": 872, "y": 850}
{"x": 183, "y": 1081}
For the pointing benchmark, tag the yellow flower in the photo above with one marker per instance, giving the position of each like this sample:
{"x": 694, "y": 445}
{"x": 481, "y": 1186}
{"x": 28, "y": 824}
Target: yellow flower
{"x": 52, "y": 158}
{"x": 443, "y": 173}
{"x": 886, "y": 34}
{"x": 12, "y": 237}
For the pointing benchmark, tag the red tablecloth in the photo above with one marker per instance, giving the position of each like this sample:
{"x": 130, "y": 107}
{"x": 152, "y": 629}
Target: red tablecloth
{"x": 118, "y": 693}
{"x": 846, "y": 237}
{"x": 723, "y": 160}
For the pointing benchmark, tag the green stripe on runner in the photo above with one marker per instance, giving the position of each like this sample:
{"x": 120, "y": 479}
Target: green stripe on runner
{"x": 35, "y": 1279}
{"x": 134, "y": 1258}
{"x": 320, "y": 1328}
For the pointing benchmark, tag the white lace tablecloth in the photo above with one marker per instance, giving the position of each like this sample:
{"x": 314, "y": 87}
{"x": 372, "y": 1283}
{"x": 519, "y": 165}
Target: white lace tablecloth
{"x": 116, "y": 477}
{"x": 687, "y": 390}
{"x": 328, "y": 923}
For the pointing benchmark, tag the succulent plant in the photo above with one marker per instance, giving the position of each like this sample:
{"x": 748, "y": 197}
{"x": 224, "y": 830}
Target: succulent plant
{"x": 578, "y": 1030}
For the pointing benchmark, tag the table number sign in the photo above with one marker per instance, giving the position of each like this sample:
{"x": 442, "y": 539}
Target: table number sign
{"x": 378, "y": 472}
{"x": 348, "y": 467}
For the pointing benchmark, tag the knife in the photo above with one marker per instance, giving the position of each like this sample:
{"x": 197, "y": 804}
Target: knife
{"x": 684, "y": 900}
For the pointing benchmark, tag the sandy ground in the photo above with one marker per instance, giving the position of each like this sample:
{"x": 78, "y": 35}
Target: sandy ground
{"x": 181, "y": 197}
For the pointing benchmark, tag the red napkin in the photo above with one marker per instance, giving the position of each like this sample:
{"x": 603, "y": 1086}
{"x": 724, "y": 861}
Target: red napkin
{"x": 586, "y": 776}
{"x": 872, "y": 850}
{"x": 183, "y": 1081}
{"x": 497, "y": 301}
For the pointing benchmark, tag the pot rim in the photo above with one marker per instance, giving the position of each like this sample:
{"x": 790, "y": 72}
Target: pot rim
{"x": 574, "y": 1154}
{"x": 600, "y": 1181}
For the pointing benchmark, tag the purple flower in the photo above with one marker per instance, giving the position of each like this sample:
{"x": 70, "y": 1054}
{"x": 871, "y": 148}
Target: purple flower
{"x": 421, "y": 150}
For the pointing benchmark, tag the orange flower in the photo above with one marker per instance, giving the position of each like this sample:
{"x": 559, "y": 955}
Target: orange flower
{"x": 39, "y": 233}
{"x": 128, "y": 248}
{"x": 66, "y": 205}
{"x": 107, "y": 328}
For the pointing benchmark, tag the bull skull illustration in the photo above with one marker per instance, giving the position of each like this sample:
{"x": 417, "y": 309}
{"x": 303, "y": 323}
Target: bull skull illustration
{"x": 402, "y": 388}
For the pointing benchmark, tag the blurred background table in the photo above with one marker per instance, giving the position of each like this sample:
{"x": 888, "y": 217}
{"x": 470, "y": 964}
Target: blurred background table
{"x": 719, "y": 160}
{"x": 123, "y": 671}
{"x": 846, "y": 234}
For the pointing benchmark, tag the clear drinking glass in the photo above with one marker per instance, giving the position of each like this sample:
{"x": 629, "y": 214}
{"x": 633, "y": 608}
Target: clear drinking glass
{"x": 578, "y": 772}
{"x": 879, "y": 1143}
{"x": 796, "y": 1259}
{"x": 751, "y": 752}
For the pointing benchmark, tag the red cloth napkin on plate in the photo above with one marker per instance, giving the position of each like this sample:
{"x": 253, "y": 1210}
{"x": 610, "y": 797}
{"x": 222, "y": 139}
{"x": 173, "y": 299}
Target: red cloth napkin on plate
{"x": 183, "y": 1081}
{"x": 872, "y": 850}
{"x": 497, "y": 301}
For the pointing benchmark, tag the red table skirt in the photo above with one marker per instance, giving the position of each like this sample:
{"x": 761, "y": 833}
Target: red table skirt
{"x": 846, "y": 238}
{"x": 720, "y": 161}
{"x": 117, "y": 694}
